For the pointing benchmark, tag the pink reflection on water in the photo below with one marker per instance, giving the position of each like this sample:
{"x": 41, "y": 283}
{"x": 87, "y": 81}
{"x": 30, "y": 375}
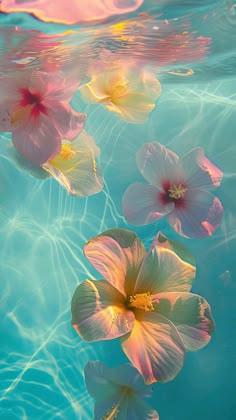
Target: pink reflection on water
{"x": 71, "y": 12}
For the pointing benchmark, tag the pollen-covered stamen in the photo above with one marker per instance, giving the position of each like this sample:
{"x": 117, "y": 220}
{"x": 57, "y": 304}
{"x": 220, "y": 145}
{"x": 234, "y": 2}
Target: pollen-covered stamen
{"x": 67, "y": 151}
{"x": 177, "y": 191}
{"x": 141, "y": 301}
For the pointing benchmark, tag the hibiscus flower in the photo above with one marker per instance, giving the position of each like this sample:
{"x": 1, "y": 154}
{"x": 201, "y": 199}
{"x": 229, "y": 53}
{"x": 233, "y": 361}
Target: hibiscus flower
{"x": 74, "y": 167}
{"x": 34, "y": 106}
{"x": 127, "y": 92}
{"x": 118, "y": 392}
{"x": 179, "y": 190}
{"x": 144, "y": 299}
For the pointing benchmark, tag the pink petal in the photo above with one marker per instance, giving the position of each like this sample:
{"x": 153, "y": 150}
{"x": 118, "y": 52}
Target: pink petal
{"x": 98, "y": 311}
{"x": 117, "y": 254}
{"x": 68, "y": 122}
{"x": 164, "y": 271}
{"x": 5, "y": 125}
{"x": 141, "y": 204}
{"x": 37, "y": 143}
{"x": 200, "y": 172}
{"x": 200, "y": 218}
{"x": 157, "y": 163}
{"x": 154, "y": 347}
{"x": 191, "y": 314}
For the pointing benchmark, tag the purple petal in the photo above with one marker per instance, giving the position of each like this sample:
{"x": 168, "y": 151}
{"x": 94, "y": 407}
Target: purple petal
{"x": 37, "y": 142}
{"x": 157, "y": 164}
{"x": 98, "y": 311}
{"x": 201, "y": 216}
{"x": 68, "y": 122}
{"x": 191, "y": 314}
{"x": 141, "y": 204}
{"x": 200, "y": 172}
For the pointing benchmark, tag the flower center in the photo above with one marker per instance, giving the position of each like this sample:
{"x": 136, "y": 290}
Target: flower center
{"x": 33, "y": 99}
{"x": 67, "y": 151}
{"x": 177, "y": 191}
{"x": 141, "y": 301}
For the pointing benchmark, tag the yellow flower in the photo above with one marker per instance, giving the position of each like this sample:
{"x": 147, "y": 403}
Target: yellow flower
{"x": 129, "y": 93}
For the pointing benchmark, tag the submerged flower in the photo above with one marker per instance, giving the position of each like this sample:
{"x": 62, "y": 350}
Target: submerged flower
{"x": 118, "y": 392}
{"x": 34, "y": 106}
{"x": 74, "y": 167}
{"x": 129, "y": 93}
{"x": 179, "y": 189}
{"x": 144, "y": 300}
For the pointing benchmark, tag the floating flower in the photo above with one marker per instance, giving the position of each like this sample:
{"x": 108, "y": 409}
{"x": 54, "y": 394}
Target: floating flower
{"x": 179, "y": 189}
{"x": 129, "y": 93}
{"x": 118, "y": 392}
{"x": 34, "y": 107}
{"x": 74, "y": 167}
{"x": 144, "y": 300}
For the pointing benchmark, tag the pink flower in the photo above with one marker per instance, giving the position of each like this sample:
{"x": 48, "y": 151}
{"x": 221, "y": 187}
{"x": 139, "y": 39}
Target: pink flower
{"x": 144, "y": 300}
{"x": 118, "y": 392}
{"x": 179, "y": 190}
{"x": 34, "y": 106}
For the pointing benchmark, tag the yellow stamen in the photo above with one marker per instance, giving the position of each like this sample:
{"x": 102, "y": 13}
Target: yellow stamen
{"x": 67, "y": 151}
{"x": 177, "y": 191}
{"x": 141, "y": 301}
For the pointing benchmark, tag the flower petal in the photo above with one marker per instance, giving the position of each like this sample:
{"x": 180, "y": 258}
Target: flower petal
{"x": 80, "y": 175}
{"x": 84, "y": 142}
{"x": 117, "y": 254}
{"x": 200, "y": 172}
{"x": 37, "y": 142}
{"x": 98, "y": 377}
{"x": 5, "y": 125}
{"x": 157, "y": 163}
{"x": 68, "y": 122}
{"x": 164, "y": 271}
{"x": 124, "y": 407}
{"x": 132, "y": 107}
{"x": 155, "y": 347}
{"x": 98, "y": 381}
{"x": 200, "y": 218}
{"x": 191, "y": 314}
{"x": 98, "y": 311}
{"x": 177, "y": 247}
{"x": 23, "y": 164}
{"x": 141, "y": 205}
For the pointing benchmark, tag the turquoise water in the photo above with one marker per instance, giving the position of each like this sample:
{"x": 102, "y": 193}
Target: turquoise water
{"x": 43, "y": 230}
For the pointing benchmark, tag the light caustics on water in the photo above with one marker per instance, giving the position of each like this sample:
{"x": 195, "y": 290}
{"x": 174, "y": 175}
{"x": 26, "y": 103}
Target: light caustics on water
{"x": 43, "y": 229}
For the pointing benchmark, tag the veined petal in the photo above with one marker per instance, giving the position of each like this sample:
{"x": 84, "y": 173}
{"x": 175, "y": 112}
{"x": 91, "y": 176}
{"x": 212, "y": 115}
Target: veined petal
{"x": 117, "y": 254}
{"x": 98, "y": 311}
{"x": 68, "y": 122}
{"x": 164, "y": 271}
{"x": 200, "y": 172}
{"x": 157, "y": 163}
{"x": 79, "y": 174}
{"x": 93, "y": 94}
{"x": 201, "y": 216}
{"x": 133, "y": 107}
{"x": 126, "y": 375}
{"x": 37, "y": 142}
{"x": 161, "y": 241}
{"x": 191, "y": 314}
{"x": 141, "y": 205}
{"x": 154, "y": 347}
{"x": 124, "y": 407}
